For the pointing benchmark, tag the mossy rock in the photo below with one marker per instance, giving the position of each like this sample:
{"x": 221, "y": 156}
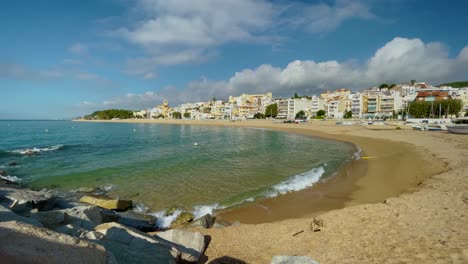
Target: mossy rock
{"x": 183, "y": 218}
{"x": 172, "y": 210}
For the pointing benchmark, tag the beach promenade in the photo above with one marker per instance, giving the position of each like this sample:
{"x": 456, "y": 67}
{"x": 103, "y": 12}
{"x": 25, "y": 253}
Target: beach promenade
{"x": 408, "y": 205}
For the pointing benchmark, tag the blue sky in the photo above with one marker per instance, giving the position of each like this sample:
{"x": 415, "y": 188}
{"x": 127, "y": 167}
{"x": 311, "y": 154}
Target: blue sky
{"x": 62, "y": 59}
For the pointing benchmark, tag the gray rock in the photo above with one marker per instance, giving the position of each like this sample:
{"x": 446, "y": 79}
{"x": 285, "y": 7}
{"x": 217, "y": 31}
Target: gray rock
{"x": 14, "y": 163}
{"x": 129, "y": 245}
{"x": 23, "y": 200}
{"x": 205, "y": 221}
{"x": 190, "y": 245}
{"x": 293, "y": 260}
{"x": 50, "y": 219}
{"x": 88, "y": 217}
{"x": 8, "y": 215}
{"x": 30, "y": 244}
{"x": 145, "y": 223}
{"x": 71, "y": 230}
{"x": 2, "y": 173}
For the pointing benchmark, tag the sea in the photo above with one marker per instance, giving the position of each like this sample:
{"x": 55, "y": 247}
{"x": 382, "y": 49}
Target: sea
{"x": 159, "y": 166}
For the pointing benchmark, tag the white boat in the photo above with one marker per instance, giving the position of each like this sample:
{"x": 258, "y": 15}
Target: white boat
{"x": 458, "y": 129}
{"x": 460, "y": 126}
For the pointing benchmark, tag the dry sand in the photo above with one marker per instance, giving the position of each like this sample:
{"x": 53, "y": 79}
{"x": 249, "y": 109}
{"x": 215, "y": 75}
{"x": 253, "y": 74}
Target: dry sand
{"x": 425, "y": 221}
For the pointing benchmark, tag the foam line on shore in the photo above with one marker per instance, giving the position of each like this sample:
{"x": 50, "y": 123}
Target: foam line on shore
{"x": 293, "y": 184}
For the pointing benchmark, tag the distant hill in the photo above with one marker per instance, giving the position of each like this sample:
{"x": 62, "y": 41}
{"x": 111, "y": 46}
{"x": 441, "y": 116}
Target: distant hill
{"x": 456, "y": 84}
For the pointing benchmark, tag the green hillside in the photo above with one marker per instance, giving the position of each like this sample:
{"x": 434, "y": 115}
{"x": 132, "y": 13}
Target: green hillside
{"x": 456, "y": 84}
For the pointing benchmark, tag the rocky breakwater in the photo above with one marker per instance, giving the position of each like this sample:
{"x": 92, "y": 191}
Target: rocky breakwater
{"x": 43, "y": 227}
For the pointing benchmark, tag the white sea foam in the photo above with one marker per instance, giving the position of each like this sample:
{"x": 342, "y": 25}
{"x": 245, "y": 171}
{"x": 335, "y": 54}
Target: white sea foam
{"x": 11, "y": 178}
{"x": 107, "y": 187}
{"x": 201, "y": 210}
{"x": 296, "y": 183}
{"x": 357, "y": 154}
{"x": 37, "y": 150}
{"x": 163, "y": 220}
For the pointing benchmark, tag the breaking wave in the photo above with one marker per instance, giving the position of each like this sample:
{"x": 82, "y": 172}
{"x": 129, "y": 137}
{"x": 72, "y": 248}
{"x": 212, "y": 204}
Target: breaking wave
{"x": 295, "y": 183}
{"x": 35, "y": 150}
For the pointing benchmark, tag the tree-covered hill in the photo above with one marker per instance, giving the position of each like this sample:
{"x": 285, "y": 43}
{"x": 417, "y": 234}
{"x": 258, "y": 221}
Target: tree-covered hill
{"x": 456, "y": 84}
{"x": 110, "y": 113}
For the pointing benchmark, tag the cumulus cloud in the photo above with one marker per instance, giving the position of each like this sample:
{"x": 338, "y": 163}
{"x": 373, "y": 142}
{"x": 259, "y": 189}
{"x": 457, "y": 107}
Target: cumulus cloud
{"x": 399, "y": 60}
{"x": 180, "y": 31}
{"x": 198, "y": 22}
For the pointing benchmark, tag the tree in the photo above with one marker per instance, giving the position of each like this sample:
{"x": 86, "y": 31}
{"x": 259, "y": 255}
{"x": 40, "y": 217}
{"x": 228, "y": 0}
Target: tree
{"x": 320, "y": 114}
{"x": 187, "y": 115}
{"x": 383, "y": 85}
{"x": 177, "y": 115}
{"x": 392, "y": 85}
{"x": 300, "y": 114}
{"x": 271, "y": 110}
{"x": 259, "y": 116}
{"x": 296, "y": 96}
{"x": 110, "y": 114}
{"x": 421, "y": 109}
{"x": 348, "y": 115}
{"x": 214, "y": 99}
{"x": 413, "y": 82}
{"x": 466, "y": 114}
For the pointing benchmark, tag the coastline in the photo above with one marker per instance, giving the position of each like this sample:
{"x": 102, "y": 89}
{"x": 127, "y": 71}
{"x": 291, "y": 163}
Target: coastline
{"x": 368, "y": 180}
{"x": 423, "y": 219}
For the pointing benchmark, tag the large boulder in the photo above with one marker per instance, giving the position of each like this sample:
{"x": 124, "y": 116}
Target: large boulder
{"x": 293, "y": 260}
{"x": 106, "y": 202}
{"x": 8, "y": 215}
{"x": 50, "y": 219}
{"x": 129, "y": 245}
{"x": 24, "y": 200}
{"x": 88, "y": 217}
{"x": 190, "y": 245}
{"x": 30, "y": 244}
{"x": 145, "y": 223}
{"x": 205, "y": 221}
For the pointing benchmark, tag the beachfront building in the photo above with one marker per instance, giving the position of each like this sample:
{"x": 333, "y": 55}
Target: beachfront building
{"x": 288, "y": 108}
{"x": 140, "y": 114}
{"x": 316, "y": 103}
{"x": 335, "y": 107}
{"x": 431, "y": 96}
{"x": 371, "y": 105}
{"x": 357, "y": 104}
{"x": 247, "y": 105}
{"x": 217, "y": 109}
{"x": 160, "y": 111}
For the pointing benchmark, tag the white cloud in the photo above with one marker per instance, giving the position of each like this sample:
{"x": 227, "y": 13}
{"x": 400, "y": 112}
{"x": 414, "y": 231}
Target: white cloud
{"x": 78, "y": 48}
{"x": 399, "y": 60}
{"x": 198, "y": 22}
{"x": 323, "y": 17}
{"x": 180, "y": 31}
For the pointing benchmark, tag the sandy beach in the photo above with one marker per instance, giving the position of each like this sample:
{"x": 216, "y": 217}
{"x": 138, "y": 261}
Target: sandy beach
{"x": 405, "y": 201}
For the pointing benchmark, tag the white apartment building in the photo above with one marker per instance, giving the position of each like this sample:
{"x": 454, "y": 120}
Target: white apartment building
{"x": 288, "y": 108}
{"x": 316, "y": 104}
{"x": 357, "y": 104}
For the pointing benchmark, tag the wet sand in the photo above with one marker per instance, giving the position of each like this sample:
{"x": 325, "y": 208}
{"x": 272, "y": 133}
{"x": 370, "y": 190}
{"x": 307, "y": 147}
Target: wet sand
{"x": 409, "y": 206}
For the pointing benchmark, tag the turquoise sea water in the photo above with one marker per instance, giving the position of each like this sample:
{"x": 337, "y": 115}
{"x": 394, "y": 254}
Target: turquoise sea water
{"x": 197, "y": 167}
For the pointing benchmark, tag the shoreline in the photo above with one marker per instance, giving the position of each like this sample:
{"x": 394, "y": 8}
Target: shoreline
{"x": 355, "y": 182}
{"x": 424, "y": 222}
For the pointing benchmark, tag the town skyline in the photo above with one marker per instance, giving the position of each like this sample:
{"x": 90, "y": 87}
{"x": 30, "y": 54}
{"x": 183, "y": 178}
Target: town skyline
{"x": 126, "y": 54}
